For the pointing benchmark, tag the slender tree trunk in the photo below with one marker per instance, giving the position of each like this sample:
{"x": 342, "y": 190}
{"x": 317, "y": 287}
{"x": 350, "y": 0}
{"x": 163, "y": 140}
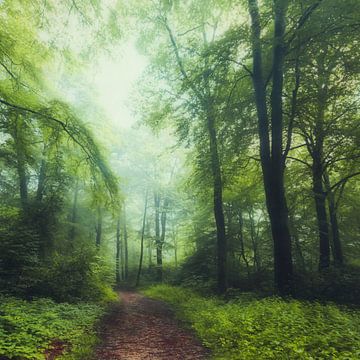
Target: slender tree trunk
{"x": 126, "y": 247}
{"x": 241, "y": 240}
{"x": 117, "y": 271}
{"x": 272, "y": 160}
{"x": 218, "y": 206}
{"x": 298, "y": 251}
{"x": 336, "y": 242}
{"x": 149, "y": 244}
{"x": 158, "y": 237}
{"x": 73, "y": 217}
{"x": 204, "y": 97}
{"x": 142, "y": 241}
{"x": 254, "y": 241}
{"x": 320, "y": 206}
{"x": 175, "y": 251}
{"x": 98, "y": 228}
{"x": 20, "y": 162}
{"x": 41, "y": 181}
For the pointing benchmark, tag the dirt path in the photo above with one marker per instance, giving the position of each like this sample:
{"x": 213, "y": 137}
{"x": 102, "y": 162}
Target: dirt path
{"x": 144, "y": 329}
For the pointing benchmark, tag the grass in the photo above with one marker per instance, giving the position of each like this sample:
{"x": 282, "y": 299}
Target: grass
{"x": 27, "y": 328}
{"x": 270, "y": 328}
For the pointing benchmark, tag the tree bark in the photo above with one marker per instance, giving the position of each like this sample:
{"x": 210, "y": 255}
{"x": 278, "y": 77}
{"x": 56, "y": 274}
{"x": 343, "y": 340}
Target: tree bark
{"x": 41, "y": 181}
{"x": 298, "y": 251}
{"x": 254, "y": 240}
{"x": 205, "y": 99}
{"x": 336, "y": 242}
{"x": 98, "y": 228}
{"x": 126, "y": 248}
{"x": 117, "y": 269}
{"x": 149, "y": 242}
{"x": 158, "y": 237}
{"x": 142, "y": 241}
{"x": 320, "y": 206}
{"x": 218, "y": 206}
{"x": 272, "y": 160}
{"x": 241, "y": 239}
{"x": 20, "y": 162}
{"x": 73, "y": 217}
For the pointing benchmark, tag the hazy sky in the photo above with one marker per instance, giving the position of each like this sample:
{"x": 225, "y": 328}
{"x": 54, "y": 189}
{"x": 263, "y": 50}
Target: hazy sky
{"x": 114, "y": 80}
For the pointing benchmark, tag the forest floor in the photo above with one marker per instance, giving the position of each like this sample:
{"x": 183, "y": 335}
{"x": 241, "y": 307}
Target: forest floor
{"x": 139, "y": 328}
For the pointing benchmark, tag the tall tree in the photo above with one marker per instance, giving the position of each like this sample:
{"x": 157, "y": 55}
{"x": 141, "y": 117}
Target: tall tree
{"x": 271, "y": 127}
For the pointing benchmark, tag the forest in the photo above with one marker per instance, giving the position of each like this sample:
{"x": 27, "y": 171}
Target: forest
{"x": 179, "y": 179}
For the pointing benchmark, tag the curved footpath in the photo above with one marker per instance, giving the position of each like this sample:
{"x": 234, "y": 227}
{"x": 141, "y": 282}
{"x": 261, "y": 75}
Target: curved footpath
{"x": 140, "y": 328}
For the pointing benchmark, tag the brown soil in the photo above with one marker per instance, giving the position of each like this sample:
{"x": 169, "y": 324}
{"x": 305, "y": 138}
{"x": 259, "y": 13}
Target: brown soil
{"x": 144, "y": 329}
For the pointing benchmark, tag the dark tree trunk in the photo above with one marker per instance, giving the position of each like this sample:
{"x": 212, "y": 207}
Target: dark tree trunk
{"x": 142, "y": 241}
{"x": 336, "y": 242}
{"x": 320, "y": 206}
{"x": 158, "y": 237}
{"x": 254, "y": 241}
{"x": 41, "y": 181}
{"x": 98, "y": 228}
{"x": 149, "y": 243}
{"x": 272, "y": 160}
{"x": 218, "y": 206}
{"x": 126, "y": 249}
{"x": 300, "y": 261}
{"x": 318, "y": 171}
{"x": 241, "y": 240}
{"x": 175, "y": 251}
{"x": 117, "y": 271}
{"x": 21, "y": 163}
{"x": 73, "y": 216}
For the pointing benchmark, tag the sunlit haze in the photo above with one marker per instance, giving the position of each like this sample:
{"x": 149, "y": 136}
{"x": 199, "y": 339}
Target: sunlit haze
{"x": 114, "y": 78}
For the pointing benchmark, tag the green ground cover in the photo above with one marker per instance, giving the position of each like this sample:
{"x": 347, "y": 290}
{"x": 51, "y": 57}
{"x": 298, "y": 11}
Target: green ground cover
{"x": 270, "y": 328}
{"x": 27, "y": 328}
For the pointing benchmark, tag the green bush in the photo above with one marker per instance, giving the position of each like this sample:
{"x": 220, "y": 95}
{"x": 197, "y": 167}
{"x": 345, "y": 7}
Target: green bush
{"x": 270, "y": 328}
{"x": 81, "y": 276}
{"x": 27, "y": 328}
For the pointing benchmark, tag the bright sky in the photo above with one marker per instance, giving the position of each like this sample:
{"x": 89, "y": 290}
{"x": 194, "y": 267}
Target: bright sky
{"x": 115, "y": 78}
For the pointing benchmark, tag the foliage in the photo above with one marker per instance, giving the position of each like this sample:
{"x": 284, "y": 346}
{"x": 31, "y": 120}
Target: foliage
{"x": 28, "y": 328}
{"x": 269, "y": 328}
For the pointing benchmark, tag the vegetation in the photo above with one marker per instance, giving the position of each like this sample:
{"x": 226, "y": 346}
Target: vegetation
{"x": 233, "y": 165}
{"x": 246, "y": 327}
{"x": 27, "y": 328}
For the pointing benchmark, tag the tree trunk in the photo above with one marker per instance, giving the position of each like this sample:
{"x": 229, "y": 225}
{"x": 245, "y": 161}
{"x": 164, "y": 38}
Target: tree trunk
{"x": 142, "y": 241}
{"x": 241, "y": 239}
{"x": 41, "y": 181}
{"x": 126, "y": 248}
{"x": 336, "y": 242}
{"x": 158, "y": 237}
{"x": 320, "y": 206}
{"x": 20, "y": 162}
{"x": 73, "y": 217}
{"x": 149, "y": 244}
{"x": 98, "y": 228}
{"x": 318, "y": 171}
{"x": 272, "y": 161}
{"x": 218, "y": 206}
{"x": 254, "y": 241}
{"x": 117, "y": 271}
{"x": 175, "y": 251}
{"x": 298, "y": 251}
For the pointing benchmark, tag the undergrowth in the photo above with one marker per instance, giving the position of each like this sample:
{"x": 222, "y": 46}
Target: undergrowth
{"x": 269, "y": 328}
{"x": 27, "y": 328}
